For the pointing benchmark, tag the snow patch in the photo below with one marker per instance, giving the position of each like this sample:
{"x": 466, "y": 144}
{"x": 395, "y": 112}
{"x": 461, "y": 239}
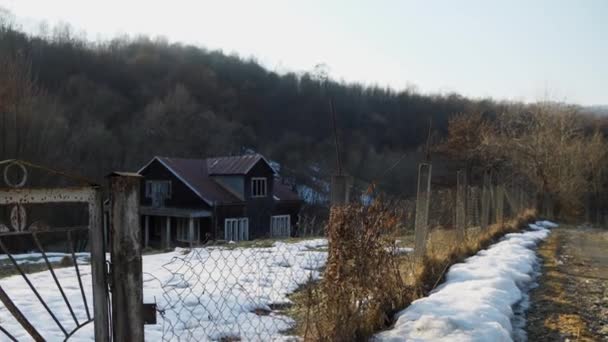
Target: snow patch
{"x": 477, "y": 300}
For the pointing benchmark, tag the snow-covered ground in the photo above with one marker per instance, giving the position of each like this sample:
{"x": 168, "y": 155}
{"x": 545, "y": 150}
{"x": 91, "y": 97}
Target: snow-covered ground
{"x": 206, "y": 294}
{"x": 476, "y": 301}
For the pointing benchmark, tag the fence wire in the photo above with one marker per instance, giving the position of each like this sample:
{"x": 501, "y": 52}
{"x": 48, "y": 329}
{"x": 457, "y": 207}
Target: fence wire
{"x": 233, "y": 292}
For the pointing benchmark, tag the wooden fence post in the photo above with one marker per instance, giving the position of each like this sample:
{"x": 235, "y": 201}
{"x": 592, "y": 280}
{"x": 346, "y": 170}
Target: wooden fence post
{"x": 127, "y": 278}
{"x": 97, "y": 237}
{"x": 423, "y": 199}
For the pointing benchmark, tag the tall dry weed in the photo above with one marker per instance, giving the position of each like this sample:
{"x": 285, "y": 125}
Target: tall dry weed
{"x": 362, "y": 281}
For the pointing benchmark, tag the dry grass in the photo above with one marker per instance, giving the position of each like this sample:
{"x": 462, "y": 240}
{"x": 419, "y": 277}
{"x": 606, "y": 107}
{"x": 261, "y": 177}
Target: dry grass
{"x": 366, "y": 282}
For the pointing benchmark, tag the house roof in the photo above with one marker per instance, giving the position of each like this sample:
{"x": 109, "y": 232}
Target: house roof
{"x": 196, "y": 174}
{"x": 234, "y": 165}
{"x": 284, "y": 192}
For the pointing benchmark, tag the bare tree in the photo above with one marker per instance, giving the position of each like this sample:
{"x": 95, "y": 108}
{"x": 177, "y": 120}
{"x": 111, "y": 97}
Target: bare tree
{"x": 546, "y": 143}
{"x": 29, "y": 118}
{"x": 543, "y": 144}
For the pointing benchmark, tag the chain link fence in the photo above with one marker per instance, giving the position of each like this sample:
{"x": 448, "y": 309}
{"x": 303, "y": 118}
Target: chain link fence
{"x": 230, "y": 292}
{"x": 253, "y": 290}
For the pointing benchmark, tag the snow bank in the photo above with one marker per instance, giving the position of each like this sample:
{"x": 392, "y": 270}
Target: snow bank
{"x": 547, "y": 224}
{"x": 476, "y": 301}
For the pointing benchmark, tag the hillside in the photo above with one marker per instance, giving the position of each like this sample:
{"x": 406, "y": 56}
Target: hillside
{"x": 115, "y": 104}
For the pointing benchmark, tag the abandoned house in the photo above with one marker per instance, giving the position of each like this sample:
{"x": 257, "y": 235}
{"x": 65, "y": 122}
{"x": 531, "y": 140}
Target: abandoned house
{"x": 184, "y": 201}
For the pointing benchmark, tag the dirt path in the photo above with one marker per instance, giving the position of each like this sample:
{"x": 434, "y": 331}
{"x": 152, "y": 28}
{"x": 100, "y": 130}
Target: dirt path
{"x": 571, "y": 302}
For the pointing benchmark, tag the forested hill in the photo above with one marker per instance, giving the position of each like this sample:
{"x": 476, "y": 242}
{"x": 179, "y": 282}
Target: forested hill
{"x": 101, "y": 106}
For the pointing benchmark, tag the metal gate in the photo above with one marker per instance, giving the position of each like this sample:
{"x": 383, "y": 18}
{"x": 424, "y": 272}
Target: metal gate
{"x": 44, "y": 210}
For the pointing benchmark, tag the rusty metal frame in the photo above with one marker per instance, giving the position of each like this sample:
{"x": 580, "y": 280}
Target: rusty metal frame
{"x": 17, "y": 196}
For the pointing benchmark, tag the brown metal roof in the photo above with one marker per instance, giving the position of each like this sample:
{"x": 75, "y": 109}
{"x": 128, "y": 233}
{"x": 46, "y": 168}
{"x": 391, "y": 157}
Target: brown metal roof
{"x": 195, "y": 173}
{"x": 235, "y": 165}
{"x": 284, "y": 192}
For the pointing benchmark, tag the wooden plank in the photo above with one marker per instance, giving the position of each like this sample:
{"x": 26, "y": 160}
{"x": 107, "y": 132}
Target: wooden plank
{"x": 98, "y": 269}
{"x": 127, "y": 278}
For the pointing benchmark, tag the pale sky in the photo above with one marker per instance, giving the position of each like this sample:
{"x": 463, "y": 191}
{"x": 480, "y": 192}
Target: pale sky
{"x": 512, "y": 49}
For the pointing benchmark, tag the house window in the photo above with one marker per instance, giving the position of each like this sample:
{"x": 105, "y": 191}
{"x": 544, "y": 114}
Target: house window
{"x": 258, "y": 187}
{"x": 183, "y": 230}
{"x": 158, "y": 191}
{"x": 280, "y": 226}
{"x": 236, "y": 229}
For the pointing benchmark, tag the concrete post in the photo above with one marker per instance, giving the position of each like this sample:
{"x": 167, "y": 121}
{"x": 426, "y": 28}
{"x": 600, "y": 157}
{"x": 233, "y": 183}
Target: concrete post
{"x": 461, "y": 198}
{"x": 423, "y": 199}
{"x": 339, "y": 190}
{"x": 485, "y": 201}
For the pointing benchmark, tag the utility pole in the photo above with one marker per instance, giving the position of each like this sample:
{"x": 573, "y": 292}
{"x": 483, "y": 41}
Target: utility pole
{"x": 335, "y": 128}
{"x": 427, "y": 156}
{"x": 339, "y": 181}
